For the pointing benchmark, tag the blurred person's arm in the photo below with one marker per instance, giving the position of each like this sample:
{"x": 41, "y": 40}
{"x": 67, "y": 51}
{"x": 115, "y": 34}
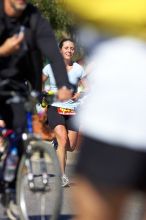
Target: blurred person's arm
{"x": 47, "y": 44}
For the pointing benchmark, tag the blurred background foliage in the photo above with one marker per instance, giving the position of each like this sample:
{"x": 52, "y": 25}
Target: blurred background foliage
{"x": 62, "y": 22}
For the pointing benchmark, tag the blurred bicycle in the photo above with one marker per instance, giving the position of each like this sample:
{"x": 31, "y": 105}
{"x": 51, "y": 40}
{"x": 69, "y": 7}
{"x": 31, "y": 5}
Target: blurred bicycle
{"x": 38, "y": 178}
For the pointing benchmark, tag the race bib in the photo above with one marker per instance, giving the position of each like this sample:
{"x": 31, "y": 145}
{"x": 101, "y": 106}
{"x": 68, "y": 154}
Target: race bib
{"x": 66, "y": 111}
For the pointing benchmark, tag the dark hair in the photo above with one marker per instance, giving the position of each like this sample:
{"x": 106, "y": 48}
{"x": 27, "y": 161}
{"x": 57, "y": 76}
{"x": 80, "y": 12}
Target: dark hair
{"x": 64, "y": 40}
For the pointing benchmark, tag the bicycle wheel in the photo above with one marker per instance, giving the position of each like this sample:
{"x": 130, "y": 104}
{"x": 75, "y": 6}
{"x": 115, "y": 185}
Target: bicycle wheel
{"x": 38, "y": 194}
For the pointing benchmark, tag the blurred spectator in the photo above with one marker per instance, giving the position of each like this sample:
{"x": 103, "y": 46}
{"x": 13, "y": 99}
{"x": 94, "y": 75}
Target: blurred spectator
{"x": 112, "y": 161}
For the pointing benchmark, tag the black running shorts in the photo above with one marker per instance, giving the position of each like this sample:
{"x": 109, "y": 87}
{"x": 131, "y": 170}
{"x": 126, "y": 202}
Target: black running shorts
{"x": 54, "y": 119}
{"x": 106, "y": 165}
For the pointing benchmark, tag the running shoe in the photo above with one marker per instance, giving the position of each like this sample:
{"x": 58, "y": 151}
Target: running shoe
{"x": 65, "y": 181}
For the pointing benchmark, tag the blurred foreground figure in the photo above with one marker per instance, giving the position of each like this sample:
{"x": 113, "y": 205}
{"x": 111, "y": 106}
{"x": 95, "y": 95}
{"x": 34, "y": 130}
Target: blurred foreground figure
{"x": 112, "y": 161}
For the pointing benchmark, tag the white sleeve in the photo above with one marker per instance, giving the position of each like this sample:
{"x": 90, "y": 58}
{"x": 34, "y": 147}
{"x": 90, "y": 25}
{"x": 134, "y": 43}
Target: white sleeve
{"x": 47, "y": 70}
{"x": 81, "y": 72}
